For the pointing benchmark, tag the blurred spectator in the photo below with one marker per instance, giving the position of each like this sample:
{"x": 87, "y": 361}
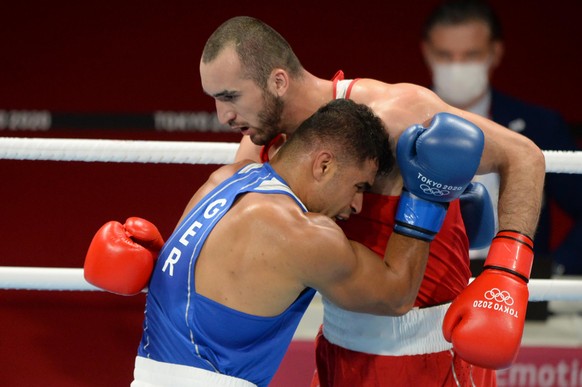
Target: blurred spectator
{"x": 462, "y": 46}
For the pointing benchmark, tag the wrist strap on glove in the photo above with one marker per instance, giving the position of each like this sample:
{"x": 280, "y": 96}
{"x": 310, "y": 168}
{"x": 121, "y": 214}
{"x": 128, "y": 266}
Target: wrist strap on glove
{"x": 512, "y": 252}
{"x": 419, "y": 218}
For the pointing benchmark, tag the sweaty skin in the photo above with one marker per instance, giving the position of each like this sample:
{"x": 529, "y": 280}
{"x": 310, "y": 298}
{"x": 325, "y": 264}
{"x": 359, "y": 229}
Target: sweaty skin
{"x": 275, "y": 251}
{"x": 517, "y": 159}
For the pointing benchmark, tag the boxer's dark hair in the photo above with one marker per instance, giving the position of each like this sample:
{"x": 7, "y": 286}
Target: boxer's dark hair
{"x": 352, "y": 130}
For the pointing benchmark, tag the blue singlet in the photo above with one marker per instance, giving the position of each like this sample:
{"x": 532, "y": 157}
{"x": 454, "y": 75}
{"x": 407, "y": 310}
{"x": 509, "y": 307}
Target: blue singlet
{"x": 183, "y": 327}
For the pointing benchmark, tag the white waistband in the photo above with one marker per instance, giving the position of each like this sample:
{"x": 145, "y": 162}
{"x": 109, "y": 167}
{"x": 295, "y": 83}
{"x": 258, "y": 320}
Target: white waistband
{"x": 417, "y": 332}
{"x": 151, "y": 373}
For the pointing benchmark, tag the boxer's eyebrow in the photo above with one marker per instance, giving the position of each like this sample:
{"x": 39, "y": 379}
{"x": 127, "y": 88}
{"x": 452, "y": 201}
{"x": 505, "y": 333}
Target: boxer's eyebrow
{"x": 225, "y": 94}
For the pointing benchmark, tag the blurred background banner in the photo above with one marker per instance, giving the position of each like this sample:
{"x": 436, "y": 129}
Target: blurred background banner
{"x": 135, "y": 57}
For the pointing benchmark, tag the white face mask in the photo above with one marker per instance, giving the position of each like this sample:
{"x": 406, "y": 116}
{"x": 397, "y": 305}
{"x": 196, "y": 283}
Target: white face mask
{"x": 460, "y": 83}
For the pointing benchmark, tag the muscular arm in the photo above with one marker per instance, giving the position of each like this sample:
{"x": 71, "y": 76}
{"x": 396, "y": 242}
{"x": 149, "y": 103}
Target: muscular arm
{"x": 517, "y": 159}
{"x": 354, "y": 278}
{"x": 275, "y": 251}
{"x": 521, "y": 166}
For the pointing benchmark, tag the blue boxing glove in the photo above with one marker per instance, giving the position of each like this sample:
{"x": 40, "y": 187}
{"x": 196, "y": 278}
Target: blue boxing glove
{"x": 437, "y": 164}
{"x": 478, "y": 215}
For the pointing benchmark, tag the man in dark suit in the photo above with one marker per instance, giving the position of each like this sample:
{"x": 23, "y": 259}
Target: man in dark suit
{"x": 462, "y": 46}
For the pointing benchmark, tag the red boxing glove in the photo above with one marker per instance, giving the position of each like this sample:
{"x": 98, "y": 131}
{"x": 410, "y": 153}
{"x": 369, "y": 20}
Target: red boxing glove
{"x": 121, "y": 258}
{"x": 485, "y": 322}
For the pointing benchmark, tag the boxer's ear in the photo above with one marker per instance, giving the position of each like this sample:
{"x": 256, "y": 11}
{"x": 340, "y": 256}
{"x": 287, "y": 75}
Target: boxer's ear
{"x": 279, "y": 81}
{"x": 322, "y": 164}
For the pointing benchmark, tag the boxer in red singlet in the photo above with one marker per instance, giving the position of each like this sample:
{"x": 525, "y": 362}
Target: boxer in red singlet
{"x": 262, "y": 90}
{"x": 415, "y": 351}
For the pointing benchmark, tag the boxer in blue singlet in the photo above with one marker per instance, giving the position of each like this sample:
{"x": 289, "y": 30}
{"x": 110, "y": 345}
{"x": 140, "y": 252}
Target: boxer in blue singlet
{"x": 184, "y": 327}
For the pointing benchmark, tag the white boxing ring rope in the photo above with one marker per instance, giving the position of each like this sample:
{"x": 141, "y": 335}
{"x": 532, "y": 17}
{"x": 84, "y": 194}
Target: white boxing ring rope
{"x": 177, "y": 152}
{"x": 120, "y": 151}
{"x": 183, "y": 152}
{"x": 48, "y": 278}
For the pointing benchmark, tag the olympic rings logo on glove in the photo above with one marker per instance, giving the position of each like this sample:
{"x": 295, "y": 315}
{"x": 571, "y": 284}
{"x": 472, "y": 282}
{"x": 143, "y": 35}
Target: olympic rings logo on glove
{"x": 499, "y": 296}
{"x": 433, "y": 191}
